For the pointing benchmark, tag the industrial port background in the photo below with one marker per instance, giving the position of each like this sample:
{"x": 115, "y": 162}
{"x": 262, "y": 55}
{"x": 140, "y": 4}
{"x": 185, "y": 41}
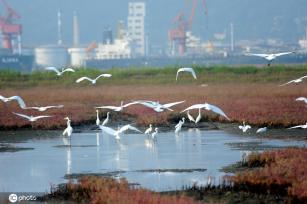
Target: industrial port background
{"x": 281, "y": 19}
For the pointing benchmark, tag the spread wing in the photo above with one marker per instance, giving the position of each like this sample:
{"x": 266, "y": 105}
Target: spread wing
{"x": 2, "y": 98}
{"x": 103, "y": 75}
{"x": 53, "y": 69}
{"x": 19, "y": 100}
{"x": 84, "y": 78}
{"x": 22, "y": 115}
{"x": 257, "y": 55}
{"x": 289, "y": 82}
{"x": 196, "y": 106}
{"x": 108, "y": 107}
{"x": 41, "y": 116}
{"x": 298, "y": 126}
{"x": 107, "y": 130}
{"x": 216, "y": 110}
{"x": 168, "y": 105}
{"x": 68, "y": 70}
{"x": 283, "y": 53}
{"x": 186, "y": 69}
{"x": 302, "y": 99}
{"x": 128, "y": 127}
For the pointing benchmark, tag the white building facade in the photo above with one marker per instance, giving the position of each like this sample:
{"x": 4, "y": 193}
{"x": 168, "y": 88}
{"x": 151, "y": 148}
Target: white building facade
{"x": 136, "y": 27}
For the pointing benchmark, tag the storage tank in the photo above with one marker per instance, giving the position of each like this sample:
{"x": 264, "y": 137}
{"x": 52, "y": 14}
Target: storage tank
{"x": 51, "y": 55}
{"x": 77, "y": 56}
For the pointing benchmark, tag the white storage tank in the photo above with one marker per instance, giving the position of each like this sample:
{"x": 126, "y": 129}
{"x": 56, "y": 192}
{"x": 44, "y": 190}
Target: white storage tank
{"x": 77, "y": 56}
{"x": 51, "y": 55}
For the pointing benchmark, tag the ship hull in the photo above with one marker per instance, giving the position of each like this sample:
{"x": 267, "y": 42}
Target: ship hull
{"x": 22, "y": 63}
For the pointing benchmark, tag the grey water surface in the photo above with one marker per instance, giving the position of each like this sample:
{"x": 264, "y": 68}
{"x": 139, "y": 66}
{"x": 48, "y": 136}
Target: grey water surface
{"x": 169, "y": 163}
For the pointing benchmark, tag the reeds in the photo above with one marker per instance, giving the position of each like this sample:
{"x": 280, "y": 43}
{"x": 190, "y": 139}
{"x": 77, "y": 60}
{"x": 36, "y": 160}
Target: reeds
{"x": 281, "y": 172}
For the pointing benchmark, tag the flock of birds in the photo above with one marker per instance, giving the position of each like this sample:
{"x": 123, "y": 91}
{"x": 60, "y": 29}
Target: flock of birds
{"x": 154, "y": 105}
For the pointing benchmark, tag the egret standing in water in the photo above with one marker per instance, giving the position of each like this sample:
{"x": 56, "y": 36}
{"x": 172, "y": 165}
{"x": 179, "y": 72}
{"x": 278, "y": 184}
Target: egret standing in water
{"x": 97, "y": 118}
{"x": 148, "y": 130}
{"x": 244, "y": 127}
{"x": 68, "y": 131}
{"x": 179, "y": 126}
{"x": 154, "y": 134}
{"x": 106, "y": 120}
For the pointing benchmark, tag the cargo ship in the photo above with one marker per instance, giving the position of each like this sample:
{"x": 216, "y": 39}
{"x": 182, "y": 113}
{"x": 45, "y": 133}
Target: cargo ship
{"x": 11, "y": 32}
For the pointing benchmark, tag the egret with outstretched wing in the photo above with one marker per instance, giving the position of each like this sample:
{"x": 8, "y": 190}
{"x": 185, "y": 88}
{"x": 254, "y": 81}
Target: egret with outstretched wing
{"x": 186, "y": 69}
{"x": 20, "y": 101}
{"x": 93, "y": 80}
{"x": 32, "y": 118}
{"x": 59, "y": 73}
{"x": 117, "y": 133}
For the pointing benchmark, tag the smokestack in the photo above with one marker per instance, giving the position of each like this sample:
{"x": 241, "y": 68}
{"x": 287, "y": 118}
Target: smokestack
{"x": 231, "y": 37}
{"x": 59, "y": 27}
{"x": 75, "y": 30}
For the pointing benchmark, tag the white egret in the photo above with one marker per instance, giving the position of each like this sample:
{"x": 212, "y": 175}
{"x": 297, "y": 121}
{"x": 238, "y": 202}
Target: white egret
{"x": 93, "y": 80}
{"x": 106, "y": 120}
{"x": 179, "y": 125}
{"x": 97, "y": 118}
{"x": 68, "y": 131}
{"x": 208, "y": 107}
{"x": 199, "y": 116}
{"x": 148, "y": 130}
{"x": 302, "y": 99}
{"x": 59, "y": 73}
{"x": 32, "y": 118}
{"x": 190, "y": 117}
{"x": 244, "y": 127}
{"x": 295, "y": 81}
{"x": 156, "y": 106}
{"x": 116, "y": 108}
{"x": 299, "y": 126}
{"x": 119, "y": 131}
{"x": 186, "y": 69}
{"x": 44, "y": 108}
{"x": 21, "y": 103}
{"x": 269, "y": 57}
{"x": 154, "y": 134}
{"x": 262, "y": 130}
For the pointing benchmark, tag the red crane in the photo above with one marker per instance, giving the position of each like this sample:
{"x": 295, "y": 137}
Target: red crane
{"x": 177, "y": 35}
{"x": 8, "y": 28}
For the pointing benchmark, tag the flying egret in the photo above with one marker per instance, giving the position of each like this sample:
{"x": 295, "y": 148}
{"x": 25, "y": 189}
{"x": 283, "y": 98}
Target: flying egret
{"x": 156, "y": 106}
{"x": 148, "y": 130}
{"x": 299, "y": 126}
{"x": 97, "y": 118}
{"x": 58, "y": 72}
{"x": 198, "y": 117}
{"x": 32, "y": 118}
{"x": 262, "y": 130}
{"x": 116, "y": 108}
{"x": 244, "y": 127}
{"x": 269, "y": 57}
{"x": 208, "y": 107}
{"x": 93, "y": 80}
{"x": 106, "y": 120}
{"x": 190, "y": 117}
{"x": 21, "y": 103}
{"x": 119, "y": 131}
{"x": 179, "y": 125}
{"x": 296, "y": 81}
{"x": 44, "y": 108}
{"x": 154, "y": 134}
{"x": 186, "y": 69}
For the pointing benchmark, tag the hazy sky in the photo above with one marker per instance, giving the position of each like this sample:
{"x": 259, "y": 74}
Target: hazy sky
{"x": 253, "y": 19}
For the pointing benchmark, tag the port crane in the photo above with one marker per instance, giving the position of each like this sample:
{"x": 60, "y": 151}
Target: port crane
{"x": 177, "y": 36}
{"x": 8, "y": 28}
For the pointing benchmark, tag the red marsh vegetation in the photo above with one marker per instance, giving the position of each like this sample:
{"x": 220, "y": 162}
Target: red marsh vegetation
{"x": 281, "y": 172}
{"x": 257, "y": 104}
